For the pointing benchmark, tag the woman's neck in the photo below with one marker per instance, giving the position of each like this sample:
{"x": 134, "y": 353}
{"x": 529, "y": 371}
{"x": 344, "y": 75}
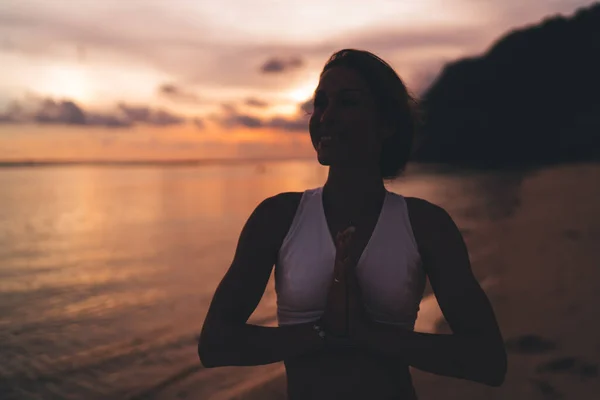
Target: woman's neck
{"x": 351, "y": 190}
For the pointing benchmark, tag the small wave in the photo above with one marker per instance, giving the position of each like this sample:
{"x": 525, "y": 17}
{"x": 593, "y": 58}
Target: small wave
{"x": 182, "y": 374}
{"x": 271, "y": 385}
{"x": 105, "y": 357}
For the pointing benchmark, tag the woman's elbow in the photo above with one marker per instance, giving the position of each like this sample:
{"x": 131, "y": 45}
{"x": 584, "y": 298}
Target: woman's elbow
{"x": 496, "y": 379}
{"x": 497, "y": 371}
{"x": 210, "y": 350}
{"x": 208, "y": 357}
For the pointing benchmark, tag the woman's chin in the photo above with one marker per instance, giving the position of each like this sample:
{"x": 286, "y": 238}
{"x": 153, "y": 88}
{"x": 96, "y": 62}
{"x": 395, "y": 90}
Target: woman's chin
{"x": 323, "y": 160}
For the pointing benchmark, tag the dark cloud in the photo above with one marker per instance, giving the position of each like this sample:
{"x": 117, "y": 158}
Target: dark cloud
{"x": 277, "y": 65}
{"x": 228, "y": 108}
{"x": 67, "y": 112}
{"x": 146, "y": 115}
{"x": 177, "y": 93}
{"x": 199, "y": 123}
{"x": 59, "y": 112}
{"x": 11, "y": 114}
{"x": 108, "y": 120}
{"x": 168, "y": 89}
{"x": 232, "y": 119}
{"x": 297, "y": 124}
{"x": 254, "y": 102}
{"x": 6, "y": 118}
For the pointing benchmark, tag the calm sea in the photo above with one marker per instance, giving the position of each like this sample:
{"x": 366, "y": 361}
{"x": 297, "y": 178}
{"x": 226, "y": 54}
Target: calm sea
{"x": 106, "y": 272}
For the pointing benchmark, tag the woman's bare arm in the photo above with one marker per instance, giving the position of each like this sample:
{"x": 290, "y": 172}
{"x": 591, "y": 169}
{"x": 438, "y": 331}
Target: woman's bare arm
{"x": 475, "y": 350}
{"x": 226, "y": 338}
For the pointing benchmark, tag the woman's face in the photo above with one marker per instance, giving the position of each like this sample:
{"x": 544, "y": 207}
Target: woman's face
{"x": 345, "y": 127}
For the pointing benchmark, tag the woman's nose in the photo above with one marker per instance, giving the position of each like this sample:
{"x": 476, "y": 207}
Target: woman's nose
{"x": 327, "y": 116}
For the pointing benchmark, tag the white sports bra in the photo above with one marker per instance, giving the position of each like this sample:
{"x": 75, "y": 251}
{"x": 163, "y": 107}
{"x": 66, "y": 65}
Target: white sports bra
{"x": 389, "y": 271}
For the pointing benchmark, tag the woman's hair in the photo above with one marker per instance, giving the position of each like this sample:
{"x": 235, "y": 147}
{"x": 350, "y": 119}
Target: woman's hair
{"x": 396, "y": 105}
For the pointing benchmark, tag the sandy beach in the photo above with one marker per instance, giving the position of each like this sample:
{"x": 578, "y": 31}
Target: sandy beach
{"x": 541, "y": 271}
{"x": 545, "y": 292}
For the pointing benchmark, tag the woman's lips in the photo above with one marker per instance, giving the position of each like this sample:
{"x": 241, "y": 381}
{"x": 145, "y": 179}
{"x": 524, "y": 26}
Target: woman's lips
{"x": 324, "y": 141}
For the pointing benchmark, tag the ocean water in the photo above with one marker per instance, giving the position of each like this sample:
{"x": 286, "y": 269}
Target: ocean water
{"x": 106, "y": 273}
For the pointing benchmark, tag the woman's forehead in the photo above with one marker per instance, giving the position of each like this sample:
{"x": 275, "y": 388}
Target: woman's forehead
{"x": 338, "y": 79}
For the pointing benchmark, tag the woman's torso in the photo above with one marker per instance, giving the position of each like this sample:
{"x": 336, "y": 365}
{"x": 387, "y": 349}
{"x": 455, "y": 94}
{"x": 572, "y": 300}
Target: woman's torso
{"x": 391, "y": 279}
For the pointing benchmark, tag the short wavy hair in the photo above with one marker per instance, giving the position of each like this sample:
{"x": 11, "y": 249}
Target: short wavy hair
{"x": 396, "y": 105}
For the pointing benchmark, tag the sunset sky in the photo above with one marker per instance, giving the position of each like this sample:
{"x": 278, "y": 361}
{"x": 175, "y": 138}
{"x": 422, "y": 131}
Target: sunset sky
{"x": 139, "y": 79}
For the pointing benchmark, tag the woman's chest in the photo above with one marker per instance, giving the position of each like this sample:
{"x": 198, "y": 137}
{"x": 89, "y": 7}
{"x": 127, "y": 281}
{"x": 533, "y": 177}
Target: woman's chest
{"x": 390, "y": 278}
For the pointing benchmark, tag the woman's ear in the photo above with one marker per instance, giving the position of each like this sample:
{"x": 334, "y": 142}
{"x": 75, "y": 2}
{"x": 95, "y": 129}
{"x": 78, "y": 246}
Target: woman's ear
{"x": 386, "y": 128}
{"x": 386, "y": 132}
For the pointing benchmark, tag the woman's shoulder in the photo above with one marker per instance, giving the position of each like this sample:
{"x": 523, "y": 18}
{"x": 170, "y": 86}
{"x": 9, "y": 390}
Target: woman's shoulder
{"x": 270, "y": 220}
{"x": 432, "y": 226}
{"x": 278, "y": 208}
{"x": 281, "y": 202}
{"x": 425, "y": 215}
{"x": 421, "y": 206}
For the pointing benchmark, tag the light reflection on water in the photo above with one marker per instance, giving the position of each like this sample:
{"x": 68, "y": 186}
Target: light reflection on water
{"x": 106, "y": 273}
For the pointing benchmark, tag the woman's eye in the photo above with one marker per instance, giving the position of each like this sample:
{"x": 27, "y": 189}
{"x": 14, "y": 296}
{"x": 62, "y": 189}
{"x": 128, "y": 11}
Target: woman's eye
{"x": 318, "y": 103}
{"x": 349, "y": 102}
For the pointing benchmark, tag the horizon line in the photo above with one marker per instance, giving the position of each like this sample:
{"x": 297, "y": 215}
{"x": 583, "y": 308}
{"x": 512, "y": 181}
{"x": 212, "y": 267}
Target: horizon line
{"x": 144, "y": 162}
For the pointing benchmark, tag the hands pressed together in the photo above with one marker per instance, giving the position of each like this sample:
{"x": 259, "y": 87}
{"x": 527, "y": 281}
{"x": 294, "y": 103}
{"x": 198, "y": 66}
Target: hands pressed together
{"x": 345, "y": 320}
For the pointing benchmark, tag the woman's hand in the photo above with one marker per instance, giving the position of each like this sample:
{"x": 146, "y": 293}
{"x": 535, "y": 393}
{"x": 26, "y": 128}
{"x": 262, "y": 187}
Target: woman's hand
{"x": 359, "y": 322}
{"x": 345, "y": 319}
{"x": 335, "y": 316}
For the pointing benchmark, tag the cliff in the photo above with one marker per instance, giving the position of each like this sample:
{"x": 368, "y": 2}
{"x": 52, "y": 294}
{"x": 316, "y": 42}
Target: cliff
{"x": 533, "y": 97}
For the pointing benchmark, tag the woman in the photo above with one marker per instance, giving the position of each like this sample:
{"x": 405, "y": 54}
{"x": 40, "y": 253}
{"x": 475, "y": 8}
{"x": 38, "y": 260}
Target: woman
{"x": 351, "y": 261}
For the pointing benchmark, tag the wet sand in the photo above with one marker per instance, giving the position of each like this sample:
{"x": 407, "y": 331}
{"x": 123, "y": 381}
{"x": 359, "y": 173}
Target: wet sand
{"x": 545, "y": 289}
